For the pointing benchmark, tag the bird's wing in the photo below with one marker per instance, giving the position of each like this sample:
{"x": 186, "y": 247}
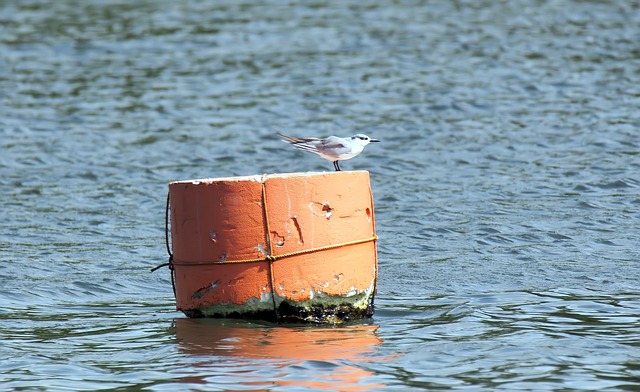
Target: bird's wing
{"x": 333, "y": 142}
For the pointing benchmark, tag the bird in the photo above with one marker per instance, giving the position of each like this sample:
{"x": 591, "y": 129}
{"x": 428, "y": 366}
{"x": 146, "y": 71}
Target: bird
{"x": 332, "y": 148}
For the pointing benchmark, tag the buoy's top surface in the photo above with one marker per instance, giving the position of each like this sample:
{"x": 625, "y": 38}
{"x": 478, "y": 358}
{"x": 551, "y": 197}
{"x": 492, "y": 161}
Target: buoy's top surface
{"x": 260, "y": 178}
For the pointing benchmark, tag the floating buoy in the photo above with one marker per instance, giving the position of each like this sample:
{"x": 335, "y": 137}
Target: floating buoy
{"x": 283, "y": 247}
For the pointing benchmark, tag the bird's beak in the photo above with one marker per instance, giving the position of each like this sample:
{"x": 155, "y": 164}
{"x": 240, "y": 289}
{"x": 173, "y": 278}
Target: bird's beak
{"x": 374, "y": 140}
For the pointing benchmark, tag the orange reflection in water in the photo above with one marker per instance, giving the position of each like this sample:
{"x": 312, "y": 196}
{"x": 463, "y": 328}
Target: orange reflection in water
{"x": 327, "y": 348}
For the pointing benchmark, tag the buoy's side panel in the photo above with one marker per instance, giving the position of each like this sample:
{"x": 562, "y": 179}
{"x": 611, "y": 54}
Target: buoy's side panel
{"x": 307, "y": 212}
{"x": 224, "y": 285}
{"x": 217, "y": 221}
{"x": 328, "y": 276}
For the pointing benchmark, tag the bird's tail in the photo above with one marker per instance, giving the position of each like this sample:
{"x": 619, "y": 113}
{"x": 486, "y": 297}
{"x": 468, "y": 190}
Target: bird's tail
{"x": 291, "y": 139}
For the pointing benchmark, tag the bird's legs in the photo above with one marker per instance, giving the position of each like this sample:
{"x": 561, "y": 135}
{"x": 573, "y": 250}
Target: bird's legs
{"x": 336, "y": 165}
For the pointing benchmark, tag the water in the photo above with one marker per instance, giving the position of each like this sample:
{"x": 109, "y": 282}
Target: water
{"x": 506, "y": 188}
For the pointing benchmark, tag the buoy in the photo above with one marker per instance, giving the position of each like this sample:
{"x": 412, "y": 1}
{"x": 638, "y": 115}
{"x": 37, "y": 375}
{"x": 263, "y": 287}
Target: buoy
{"x": 295, "y": 247}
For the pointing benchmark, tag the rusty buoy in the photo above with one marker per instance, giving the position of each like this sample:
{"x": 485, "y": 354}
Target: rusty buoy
{"x": 295, "y": 247}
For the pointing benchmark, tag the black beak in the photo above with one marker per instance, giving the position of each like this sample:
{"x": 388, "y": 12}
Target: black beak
{"x": 374, "y": 140}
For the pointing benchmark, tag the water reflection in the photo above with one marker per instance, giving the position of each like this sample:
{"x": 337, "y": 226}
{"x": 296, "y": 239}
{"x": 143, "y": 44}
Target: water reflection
{"x": 330, "y": 353}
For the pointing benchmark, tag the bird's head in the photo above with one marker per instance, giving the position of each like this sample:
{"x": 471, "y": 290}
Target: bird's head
{"x": 363, "y": 139}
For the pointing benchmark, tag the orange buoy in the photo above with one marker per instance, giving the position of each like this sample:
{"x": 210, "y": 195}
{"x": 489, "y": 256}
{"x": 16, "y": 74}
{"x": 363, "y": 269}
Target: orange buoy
{"x": 286, "y": 247}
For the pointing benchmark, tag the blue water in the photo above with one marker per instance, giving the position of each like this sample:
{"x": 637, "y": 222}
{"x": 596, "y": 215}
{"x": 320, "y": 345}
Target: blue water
{"x": 506, "y": 188}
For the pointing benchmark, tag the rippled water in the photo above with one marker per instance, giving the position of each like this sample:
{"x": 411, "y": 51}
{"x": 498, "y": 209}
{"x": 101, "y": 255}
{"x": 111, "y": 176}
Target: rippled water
{"x": 506, "y": 187}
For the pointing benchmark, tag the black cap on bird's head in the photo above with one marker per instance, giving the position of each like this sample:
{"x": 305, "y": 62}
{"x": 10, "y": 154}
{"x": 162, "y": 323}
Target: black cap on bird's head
{"x": 364, "y": 138}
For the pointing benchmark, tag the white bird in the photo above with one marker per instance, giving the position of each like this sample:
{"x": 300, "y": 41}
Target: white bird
{"x": 333, "y": 148}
